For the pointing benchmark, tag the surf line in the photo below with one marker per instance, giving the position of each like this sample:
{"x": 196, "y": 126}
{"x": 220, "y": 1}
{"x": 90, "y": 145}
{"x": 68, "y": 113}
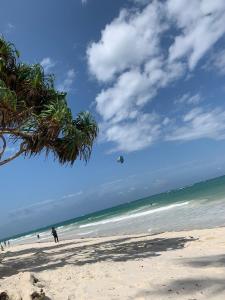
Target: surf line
{"x": 135, "y": 215}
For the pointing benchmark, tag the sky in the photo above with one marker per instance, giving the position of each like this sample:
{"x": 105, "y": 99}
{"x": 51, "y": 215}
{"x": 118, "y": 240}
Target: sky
{"x": 153, "y": 75}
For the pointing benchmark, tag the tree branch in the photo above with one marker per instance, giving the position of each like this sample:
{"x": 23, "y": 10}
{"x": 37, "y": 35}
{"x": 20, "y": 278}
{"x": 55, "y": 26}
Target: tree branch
{"x": 15, "y": 132}
{"x": 14, "y": 156}
{"x": 4, "y": 145}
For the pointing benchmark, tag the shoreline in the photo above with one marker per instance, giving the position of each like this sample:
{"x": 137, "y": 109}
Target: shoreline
{"x": 73, "y": 237}
{"x": 169, "y": 265}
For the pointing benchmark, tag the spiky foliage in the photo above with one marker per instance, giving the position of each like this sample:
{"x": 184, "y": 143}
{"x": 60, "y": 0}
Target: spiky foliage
{"x": 35, "y": 115}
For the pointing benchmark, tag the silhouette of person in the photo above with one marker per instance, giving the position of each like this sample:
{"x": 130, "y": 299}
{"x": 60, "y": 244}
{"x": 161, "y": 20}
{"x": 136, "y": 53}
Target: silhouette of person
{"x": 55, "y": 235}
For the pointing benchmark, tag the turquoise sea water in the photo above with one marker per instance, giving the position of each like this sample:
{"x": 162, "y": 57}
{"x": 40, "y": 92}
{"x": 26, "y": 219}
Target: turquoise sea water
{"x": 201, "y": 205}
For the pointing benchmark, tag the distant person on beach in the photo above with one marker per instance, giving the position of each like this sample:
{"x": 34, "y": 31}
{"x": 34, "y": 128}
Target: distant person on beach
{"x": 38, "y": 236}
{"x": 55, "y": 235}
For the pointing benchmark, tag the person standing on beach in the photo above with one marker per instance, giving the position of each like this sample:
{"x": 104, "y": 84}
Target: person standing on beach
{"x": 55, "y": 235}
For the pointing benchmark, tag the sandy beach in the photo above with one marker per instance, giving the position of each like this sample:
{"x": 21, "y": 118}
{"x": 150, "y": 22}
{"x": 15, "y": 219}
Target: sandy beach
{"x": 173, "y": 265}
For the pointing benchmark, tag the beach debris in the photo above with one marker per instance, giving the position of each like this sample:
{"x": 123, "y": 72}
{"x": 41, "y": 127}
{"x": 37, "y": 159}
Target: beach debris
{"x": 120, "y": 159}
{"x": 38, "y": 296}
{"x": 33, "y": 279}
{"x": 1, "y": 257}
{"x": 4, "y": 296}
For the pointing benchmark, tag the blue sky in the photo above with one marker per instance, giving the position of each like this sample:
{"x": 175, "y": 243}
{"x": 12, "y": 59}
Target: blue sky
{"x": 153, "y": 75}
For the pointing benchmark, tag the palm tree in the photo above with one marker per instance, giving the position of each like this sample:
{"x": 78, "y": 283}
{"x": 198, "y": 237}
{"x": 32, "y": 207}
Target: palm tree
{"x": 35, "y": 116}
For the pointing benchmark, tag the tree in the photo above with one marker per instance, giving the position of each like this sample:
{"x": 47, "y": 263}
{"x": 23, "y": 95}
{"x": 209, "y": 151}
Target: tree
{"x": 35, "y": 116}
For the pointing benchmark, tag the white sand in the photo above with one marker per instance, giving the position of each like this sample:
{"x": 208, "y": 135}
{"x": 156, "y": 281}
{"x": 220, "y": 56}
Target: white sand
{"x": 165, "y": 266}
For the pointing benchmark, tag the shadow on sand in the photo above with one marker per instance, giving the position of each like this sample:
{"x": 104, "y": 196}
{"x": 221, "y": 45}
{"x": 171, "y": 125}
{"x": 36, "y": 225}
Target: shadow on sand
{"x": 194, "y": 285}
{"x": 117, "y": 250}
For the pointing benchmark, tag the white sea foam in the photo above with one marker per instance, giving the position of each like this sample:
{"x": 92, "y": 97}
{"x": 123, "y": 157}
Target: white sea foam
{"x": 65, "y": 228}
{"x": 85, "y": 233}
{"x": 23, "y": 237}
{"x": 135, "y": 215}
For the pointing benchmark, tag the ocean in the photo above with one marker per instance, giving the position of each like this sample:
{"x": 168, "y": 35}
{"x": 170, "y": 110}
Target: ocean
{"x": 201, "y": 205}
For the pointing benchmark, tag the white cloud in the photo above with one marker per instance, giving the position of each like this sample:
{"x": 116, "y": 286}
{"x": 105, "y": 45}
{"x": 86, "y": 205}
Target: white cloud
{"x": 124, "y": 97}
{"x": 67, "y": 83}
{"x": 134, "y": 135}
{"x": 189, "y": 99}
{"x": 200, "y": 123}
{"x": 43, "y": 206}
{"x": 31, "y": 209}
{"x": 47, "y": 63}
{"x": 202, "y": 23}
{"x": 218, "y": 61}
{"x": 127, "y": 42}
{"x": 8, "y": 28}
{"x": 142, "y": 2}
{"x": 72, "y": 195}
{"x": 131, "y": 62}
{"x": 111, "y": 183}
{"x": 133, "y": 89}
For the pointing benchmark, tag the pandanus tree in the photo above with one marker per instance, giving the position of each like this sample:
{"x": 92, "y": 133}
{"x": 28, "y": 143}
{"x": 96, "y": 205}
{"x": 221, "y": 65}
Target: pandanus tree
{"x": 35, "y": 116}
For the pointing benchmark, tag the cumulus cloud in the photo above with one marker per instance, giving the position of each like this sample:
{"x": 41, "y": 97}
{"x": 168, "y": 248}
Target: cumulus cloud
{"x": 200, "y": 123}
{"x": 127, "y": 42}
{"x": 202, "y": 23}
{"x": 66, "y": 84}
{"x": 133, "y": 62}
{"x": 133, "y": 89}
{"x": 47, "y": 63}
{"x": 127, "y": 136}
